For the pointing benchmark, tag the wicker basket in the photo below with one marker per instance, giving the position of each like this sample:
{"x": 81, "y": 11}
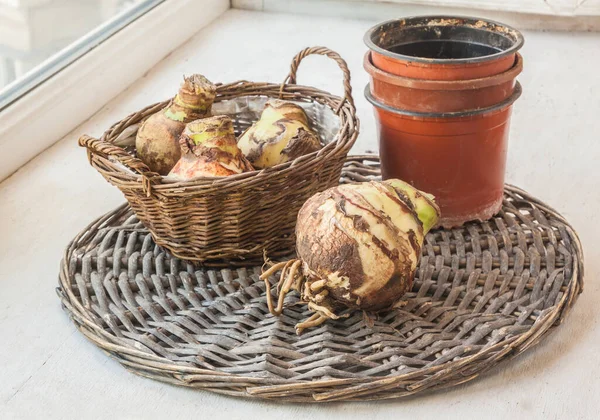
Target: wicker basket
{"x": 240, "y": 216}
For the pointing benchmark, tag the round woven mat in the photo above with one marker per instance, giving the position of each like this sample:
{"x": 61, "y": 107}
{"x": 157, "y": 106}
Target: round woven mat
{"x": 483, "y": 293}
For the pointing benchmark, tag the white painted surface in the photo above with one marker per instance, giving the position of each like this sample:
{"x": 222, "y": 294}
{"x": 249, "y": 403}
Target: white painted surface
{"x": 588, "y": 7}
{"x": 48, "y": 112}
{"x": 550, "y": 7}
{"x": 50, "y": 371}
{"x": 521, "y": 6}
{"x": 519, "y": 13}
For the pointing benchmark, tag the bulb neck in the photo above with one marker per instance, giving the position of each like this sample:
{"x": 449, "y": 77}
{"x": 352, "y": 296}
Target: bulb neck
{"x": 426, "y": 209}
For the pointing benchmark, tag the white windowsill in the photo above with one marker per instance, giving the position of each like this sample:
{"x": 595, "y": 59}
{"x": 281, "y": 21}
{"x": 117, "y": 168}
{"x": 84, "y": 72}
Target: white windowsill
{"x": 49, "y": 370}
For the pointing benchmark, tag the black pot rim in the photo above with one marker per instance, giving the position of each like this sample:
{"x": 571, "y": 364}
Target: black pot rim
{"x": 512, "y": 50}
{"x": 456, "y": 114}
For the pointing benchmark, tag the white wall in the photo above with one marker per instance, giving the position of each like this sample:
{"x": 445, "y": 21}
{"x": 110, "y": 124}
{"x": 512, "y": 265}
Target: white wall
{"x": 546, "y": 7}
{"x": 566, "y": 15}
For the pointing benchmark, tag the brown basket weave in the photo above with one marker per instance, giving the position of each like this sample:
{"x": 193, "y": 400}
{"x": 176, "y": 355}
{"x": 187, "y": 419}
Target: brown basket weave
{"x": 483, "y": 293}
{"x": 240, "y": 216}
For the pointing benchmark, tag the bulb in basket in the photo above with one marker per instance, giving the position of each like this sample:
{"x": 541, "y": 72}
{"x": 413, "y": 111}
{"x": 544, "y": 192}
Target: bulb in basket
{"x": 208, "y": 148}
{"x": 157, "y": 140}
{"x": 281, "y": 134}
{"x": 358, "y": 247}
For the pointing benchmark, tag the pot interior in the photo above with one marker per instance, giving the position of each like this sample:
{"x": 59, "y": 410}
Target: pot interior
{"x": 436, "y": 38}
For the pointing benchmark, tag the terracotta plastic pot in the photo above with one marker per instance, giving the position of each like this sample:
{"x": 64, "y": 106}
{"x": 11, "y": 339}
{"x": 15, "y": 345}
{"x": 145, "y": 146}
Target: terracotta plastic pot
{"x": 443, "y": 47}
{"x": 459, "y": 157}
{"x": 441, "y": 95}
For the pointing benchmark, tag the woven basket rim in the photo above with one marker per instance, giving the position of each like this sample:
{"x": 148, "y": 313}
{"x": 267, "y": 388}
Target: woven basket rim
{"x": 347, "y": 117}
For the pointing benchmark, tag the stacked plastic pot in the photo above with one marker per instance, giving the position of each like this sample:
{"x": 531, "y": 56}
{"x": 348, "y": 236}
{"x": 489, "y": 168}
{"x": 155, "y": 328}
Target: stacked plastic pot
{"x": 443, "y": 89}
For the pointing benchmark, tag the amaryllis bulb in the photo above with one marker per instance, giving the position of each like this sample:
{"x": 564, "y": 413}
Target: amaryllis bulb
{"x": 281, "y": 134}
{"x": 209, "y": 149}
{"x": 157, "y": 140}
{"x": 359, "y": 246}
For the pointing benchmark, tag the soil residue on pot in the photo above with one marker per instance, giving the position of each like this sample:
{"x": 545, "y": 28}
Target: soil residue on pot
{"x": 444, "y": 38}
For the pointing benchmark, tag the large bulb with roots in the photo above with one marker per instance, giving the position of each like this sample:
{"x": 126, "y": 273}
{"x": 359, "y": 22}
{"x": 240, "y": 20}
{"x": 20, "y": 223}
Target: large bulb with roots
{"x": 358, "y": 247}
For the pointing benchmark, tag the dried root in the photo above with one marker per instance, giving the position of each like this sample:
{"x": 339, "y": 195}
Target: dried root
{"x": 288, "y": 280}
{"x": 315, "y": 320}
{"x": 292, "y": 278}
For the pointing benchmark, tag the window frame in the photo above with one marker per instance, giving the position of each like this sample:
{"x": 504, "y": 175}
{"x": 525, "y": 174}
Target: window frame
{"x": 53, "y": 108}
{"x": 46, "y": 69}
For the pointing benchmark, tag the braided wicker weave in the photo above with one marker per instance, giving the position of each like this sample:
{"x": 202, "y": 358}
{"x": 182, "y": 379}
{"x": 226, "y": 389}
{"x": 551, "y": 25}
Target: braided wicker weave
{"x": 239, "y": 216}
{"x": 483, "y": 293}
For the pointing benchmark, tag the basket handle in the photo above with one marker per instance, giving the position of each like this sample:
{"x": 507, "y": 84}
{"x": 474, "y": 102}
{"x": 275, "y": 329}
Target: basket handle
{"x": 109, "y": 150}
{"x": 291, "y": 77}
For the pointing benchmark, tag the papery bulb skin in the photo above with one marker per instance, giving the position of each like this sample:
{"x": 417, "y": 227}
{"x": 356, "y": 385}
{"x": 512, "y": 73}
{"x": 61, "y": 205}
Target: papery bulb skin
{"x": 209, "y": 149}
{"x": 281, "y": 134}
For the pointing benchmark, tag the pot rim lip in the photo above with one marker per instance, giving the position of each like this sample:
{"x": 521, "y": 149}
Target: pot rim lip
{"x": 429, "y": 84}
{"x": 520, "y": 40}
{"x": 454, "y": 114}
